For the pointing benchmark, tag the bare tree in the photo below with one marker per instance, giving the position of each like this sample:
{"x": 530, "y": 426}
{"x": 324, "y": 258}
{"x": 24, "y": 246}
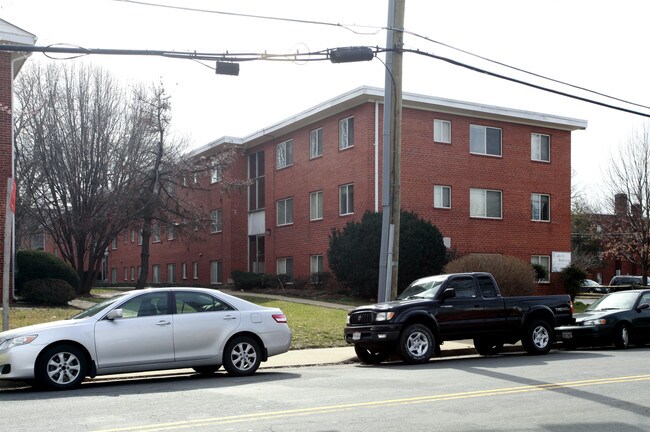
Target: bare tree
{"x": 627, "y": 235}
{"x": 79, "y": 138}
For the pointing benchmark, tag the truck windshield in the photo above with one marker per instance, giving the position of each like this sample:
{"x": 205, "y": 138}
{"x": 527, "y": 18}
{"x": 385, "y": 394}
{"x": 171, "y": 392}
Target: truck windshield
{"x": 423, "y": 288}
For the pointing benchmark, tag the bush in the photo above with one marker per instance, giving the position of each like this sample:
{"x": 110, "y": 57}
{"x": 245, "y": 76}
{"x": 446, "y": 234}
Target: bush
{"x": 34, "y": 264}
{"x": 247, "y": 280}
{"x": 572, "y": 276}
{"x": 51, "y": 292}
{"x": 514, "y": 276}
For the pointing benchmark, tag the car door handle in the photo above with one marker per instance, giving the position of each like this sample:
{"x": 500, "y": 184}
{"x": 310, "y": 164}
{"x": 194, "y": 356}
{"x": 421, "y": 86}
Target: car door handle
{"x": 446, "y": 306}
{"x": 230, "y": 317}
{"x": 163, "y": 323}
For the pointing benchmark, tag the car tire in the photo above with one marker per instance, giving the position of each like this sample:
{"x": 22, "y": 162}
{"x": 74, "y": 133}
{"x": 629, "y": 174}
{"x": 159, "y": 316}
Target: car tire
{"x": 538, "y": 337}
{"x": 372, "y": 355}
{"x": 242, "y": 356}
{"x": 206, "y": 370}
{"x": 416, "y": 344}
{"x": 61, "y": 367}
{"x": 488, "y": 346}
{"x": 622, "y": 336}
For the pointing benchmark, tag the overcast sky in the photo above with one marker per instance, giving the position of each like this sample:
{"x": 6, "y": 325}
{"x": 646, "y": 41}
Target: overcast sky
{"x": 594, "y": 44}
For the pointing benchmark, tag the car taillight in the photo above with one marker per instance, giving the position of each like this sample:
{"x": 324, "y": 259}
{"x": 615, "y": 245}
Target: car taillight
{"x": 280, "y": 318}
{"x": 571, "y": 306}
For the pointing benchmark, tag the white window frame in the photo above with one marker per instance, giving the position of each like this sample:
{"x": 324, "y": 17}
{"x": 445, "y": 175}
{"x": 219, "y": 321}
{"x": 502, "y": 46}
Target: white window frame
{"x": 284, "y": 154}
{"x": 216, "y": 221}
{"x": 126, "y": 273}
{"x": 442, "y": 131}
{"x": 544, "y": 261}
{"x": 184, "y": 270}
{"x": 281, "y": 266}
{"x": 346, "y": 199}
{"x": 114, "y": 243}
{"x": 441, "y": 194}
{"x": 171, "y": 273}
{"x": 215, "y": 272}
{"x": 316, "y": 206}
{"x": 536, "y": 205}
{"x": 155, "y": 273}
{"x": 195, "y": 270}
{"x": 171, "y": 231}
{"x": 536, "y": 143}
{"x": 216, "y": 175}
{"x": 316, "y": 143}
{"x": 132, "y": 273}
{"x": 479, "y": 209}
{"x": 316, "y": 266}
{"x": 346, "y": 138}
{"x": 155, "y": 233}
{"x": 284, "y": 211}
{"x": 480, "y": 146}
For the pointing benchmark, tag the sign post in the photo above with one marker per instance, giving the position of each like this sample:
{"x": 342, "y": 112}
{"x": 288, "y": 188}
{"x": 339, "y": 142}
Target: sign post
{"x": 10, "y": 208}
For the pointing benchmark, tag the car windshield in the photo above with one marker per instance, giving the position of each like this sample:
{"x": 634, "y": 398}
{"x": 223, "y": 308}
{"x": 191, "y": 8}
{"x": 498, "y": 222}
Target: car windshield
{"x": 423, "y": 288}
{"x": 622, "y": 300}
{"x": 97, "y": 308}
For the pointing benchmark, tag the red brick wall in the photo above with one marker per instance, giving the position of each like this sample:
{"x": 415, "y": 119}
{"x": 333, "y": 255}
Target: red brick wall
{"x": 424, "y": 164}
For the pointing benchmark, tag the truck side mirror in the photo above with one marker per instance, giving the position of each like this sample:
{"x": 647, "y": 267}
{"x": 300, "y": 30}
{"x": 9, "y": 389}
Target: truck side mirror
{"x": 448, "y": 293}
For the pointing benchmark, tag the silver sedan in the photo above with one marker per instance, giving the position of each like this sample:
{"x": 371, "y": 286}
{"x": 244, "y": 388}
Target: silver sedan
{"x": 153, "y": 329}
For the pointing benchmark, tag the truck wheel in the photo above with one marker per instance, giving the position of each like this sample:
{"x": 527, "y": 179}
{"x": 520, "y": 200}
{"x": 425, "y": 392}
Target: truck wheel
{"x": 488, "y": 346}
{"x": 537, "y": 338}
{"x": 61, "y": 367}
{"x": 369, "y": 355}
{"x": 622, "y": 336}
{"x": 416, "y": 344}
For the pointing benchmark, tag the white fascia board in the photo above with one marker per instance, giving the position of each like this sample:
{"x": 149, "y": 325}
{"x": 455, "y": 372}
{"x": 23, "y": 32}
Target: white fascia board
{"x": 10, "y": 34}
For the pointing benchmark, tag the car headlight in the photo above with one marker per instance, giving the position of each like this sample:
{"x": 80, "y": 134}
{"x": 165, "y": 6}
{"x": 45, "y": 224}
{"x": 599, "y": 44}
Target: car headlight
{"x": 595, "y": 322}
{"x": 17, "y": 341}
{"x": 384, "y": 316}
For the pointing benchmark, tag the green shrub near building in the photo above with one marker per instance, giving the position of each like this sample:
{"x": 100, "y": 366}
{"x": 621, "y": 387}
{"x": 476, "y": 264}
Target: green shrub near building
{"x": 35, "y": 264}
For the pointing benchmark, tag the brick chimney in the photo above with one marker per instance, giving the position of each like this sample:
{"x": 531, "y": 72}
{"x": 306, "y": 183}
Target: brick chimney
{"x": 620, "y": 204}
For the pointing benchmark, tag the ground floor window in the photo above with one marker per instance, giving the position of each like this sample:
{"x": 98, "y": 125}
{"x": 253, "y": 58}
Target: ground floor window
{"x": 545, "y": 262}
{"x": 215, "y": 272}
{"x": 155, "y": 273}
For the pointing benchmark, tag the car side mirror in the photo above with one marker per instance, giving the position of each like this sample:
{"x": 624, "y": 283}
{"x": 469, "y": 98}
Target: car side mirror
{"x": 115, "y": 313}
{"x": 448, "y": 293}
{"x": 643, "y": 306}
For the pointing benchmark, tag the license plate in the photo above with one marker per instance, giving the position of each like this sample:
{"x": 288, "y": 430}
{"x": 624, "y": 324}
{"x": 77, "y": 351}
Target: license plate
{"x": 567, "y": 335}
{"x": 356, "y": 336}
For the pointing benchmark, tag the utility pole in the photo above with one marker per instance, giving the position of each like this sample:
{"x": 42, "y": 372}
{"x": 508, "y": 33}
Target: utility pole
{"x": 392, "y": 136}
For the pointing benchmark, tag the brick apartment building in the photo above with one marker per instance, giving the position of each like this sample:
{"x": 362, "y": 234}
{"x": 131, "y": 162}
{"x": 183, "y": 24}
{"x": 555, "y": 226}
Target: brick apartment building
{"x": 493, "y": 180}
{"x": 10, "y": 65}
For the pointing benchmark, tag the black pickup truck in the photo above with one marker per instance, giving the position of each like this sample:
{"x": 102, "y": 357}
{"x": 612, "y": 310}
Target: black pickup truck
{"x": 454, "y": 307}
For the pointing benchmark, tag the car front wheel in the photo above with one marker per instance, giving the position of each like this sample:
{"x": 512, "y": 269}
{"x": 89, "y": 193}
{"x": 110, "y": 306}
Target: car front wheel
{"x": 61, "y": 367}
{"x": 537, "y": 338}
{"x": 242, "y": 356}
{"x": 416, "y": 344}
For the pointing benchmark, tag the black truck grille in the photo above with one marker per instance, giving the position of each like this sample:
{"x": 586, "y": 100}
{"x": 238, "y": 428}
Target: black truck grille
{"x": 361, "y": 318}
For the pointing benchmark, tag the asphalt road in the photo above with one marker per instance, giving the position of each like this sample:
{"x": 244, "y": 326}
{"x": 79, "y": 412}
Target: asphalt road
{"x": 585, "y": 390}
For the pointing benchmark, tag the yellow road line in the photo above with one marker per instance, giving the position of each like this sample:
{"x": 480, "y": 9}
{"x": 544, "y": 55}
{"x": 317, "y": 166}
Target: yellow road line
{"x": 383, "y": 403}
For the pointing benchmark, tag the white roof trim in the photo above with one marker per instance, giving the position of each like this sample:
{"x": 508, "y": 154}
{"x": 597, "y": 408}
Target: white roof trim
{"x": 11, "y": 34}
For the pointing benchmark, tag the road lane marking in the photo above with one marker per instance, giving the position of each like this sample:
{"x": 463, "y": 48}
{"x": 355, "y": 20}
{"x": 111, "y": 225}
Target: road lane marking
{"x": 374, "y": 404}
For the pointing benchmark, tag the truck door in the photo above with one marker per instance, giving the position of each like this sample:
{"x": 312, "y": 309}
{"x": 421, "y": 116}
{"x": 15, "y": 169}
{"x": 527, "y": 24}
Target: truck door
{"x": 460, "y": 317}
{"x": 494, "y": 307}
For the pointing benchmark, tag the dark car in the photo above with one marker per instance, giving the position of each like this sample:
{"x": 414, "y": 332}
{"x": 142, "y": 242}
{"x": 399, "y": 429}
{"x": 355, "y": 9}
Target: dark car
{"x": 620, "y": 283}
{"x": 620, "y": 318}
{"x": 591, "y": 286}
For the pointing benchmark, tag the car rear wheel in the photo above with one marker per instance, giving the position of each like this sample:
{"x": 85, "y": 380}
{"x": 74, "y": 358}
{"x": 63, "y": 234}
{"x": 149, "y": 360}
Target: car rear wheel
{"x": 206, "y": 370}
{"x": 537, "y": 338}
{"x": 488, "y": 346}
{"x": 416, "y": 344}
{"x": 369, "y": 355}
{"x": 622, "y": 336}
{"x": 242, "y": 356}
{"x": 61, "y": 367}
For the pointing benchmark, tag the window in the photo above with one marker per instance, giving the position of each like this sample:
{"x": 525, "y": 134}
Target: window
{"x": 316, "y": 205}
{"x": 216, "y": 175}
{"x": 193, "y": 302}
{"x": 155, "y": 273}
{"x": 114, "y": 243}
{"x": 540, "y": 147}
{"x": 155, "y": 233}
{"x": 132, "y": 272}
{"x": 346, "y": 133}
{"x": 485, "y": 140}
{"x": 145, "y": 305}
{"x": 140, "y": 237}
{"x": 126, "y": 237}
{"x": 442, "y": 196}
{"x": 545, "y": 262}
{"x": 215, "y": 272}
{"x": 284, "y": 266}
{"x": 464, "y": 287}
{"x": 346, "y": 199}
{"x": 114, "y": 274}
{"x": 316, "y": 143}
{"x": 132, "y": 236}
{"x": 256, "y": 177}
{"x": 195, "y": 269}
{"x": 216, "y": 221}
{"x": 171, "y": 273}
{"x": 171, "y": 231}
{"x": 184, "y": 270}
{"x": 486, "y": 286}
{"x": 540, "y": 206}
{"x": 485, "y": 203}
{"x": 285, "y": 211}
{"x": 442, "y": 131}
{"x": 37, "y": 241}
{"x": 126, "y": 273}
{"x": 316, "y": 268}
{"x": 285, "y": 154}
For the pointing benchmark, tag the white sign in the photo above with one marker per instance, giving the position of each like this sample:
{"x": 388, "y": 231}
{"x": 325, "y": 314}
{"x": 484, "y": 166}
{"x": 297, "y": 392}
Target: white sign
{"x": 560, "y": 261}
